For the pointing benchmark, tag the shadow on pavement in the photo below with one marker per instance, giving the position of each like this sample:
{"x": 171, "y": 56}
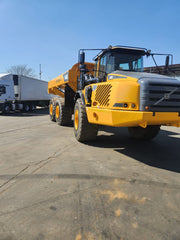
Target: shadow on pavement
{"x": 162, "y": 152}
{"x": 36, "y": 112}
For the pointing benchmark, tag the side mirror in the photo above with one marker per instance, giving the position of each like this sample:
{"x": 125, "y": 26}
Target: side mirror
{"x": 81, "y": 58}
{"x": 148, "y": 53}
{"x": 167, "y": 62}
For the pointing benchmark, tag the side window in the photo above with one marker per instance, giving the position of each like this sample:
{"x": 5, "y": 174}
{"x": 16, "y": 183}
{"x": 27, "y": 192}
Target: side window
{"x": 110, "y": 63}
{"x": 102, "y": 67}
{"x": 2, "y": 90}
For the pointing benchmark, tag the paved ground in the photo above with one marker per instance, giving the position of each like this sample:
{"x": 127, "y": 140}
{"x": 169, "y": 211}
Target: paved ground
{"x": 53, "y": 187}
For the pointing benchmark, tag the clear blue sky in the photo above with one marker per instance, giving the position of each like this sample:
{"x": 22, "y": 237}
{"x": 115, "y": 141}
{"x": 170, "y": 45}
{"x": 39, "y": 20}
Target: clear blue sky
{"x": 51, "y": 32}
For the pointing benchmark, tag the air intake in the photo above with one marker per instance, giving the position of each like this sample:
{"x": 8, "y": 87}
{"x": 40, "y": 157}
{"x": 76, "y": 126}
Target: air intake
{"x": 102, "y": 94}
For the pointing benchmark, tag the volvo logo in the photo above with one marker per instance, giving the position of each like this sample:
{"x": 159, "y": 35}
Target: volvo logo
{"x": 167, "y": 96}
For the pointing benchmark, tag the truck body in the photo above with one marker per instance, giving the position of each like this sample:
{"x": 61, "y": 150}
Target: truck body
{"x": 114, "y": 91}
{"x": 22, "y": 93}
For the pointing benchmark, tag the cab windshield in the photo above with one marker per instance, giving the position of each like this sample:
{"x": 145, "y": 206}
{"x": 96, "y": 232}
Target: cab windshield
{"x": 125, "y": 62}
{"x": 116, "y": 61}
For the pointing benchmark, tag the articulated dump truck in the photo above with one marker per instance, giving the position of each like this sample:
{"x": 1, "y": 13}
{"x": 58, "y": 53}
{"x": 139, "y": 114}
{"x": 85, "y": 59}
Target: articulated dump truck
{"x": 114, "y": 91}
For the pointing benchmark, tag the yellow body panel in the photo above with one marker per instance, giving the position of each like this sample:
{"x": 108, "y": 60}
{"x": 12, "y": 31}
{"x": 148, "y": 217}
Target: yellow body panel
{"x": 110, "y": 94}
{"x": 119, "y": 118}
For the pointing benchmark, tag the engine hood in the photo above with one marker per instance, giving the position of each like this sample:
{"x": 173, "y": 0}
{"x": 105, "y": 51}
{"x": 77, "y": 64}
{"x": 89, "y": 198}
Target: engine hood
{"x": 142, "y": 75}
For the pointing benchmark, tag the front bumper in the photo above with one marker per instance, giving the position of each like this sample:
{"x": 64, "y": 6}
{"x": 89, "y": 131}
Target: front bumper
{"x": 118, "y": 118}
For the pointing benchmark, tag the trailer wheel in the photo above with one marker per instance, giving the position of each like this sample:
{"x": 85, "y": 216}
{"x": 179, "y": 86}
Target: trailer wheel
{"x": 63, "y": 114}
{"x": 6, "y": 109}
{"x": 26, "y": 108}
{"x": 147, "y": 133}
{"x": 32, "y": 107}
{"x": 83, "y": 130}
{"x": 52, "y": 111}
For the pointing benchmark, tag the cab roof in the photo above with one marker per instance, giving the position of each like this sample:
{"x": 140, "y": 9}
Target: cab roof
{"x": 4, "y": 74}
{"x": 123, "y": 50}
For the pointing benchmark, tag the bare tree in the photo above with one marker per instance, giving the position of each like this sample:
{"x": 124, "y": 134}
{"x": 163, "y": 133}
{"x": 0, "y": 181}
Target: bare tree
{"x": 21, "y": 70}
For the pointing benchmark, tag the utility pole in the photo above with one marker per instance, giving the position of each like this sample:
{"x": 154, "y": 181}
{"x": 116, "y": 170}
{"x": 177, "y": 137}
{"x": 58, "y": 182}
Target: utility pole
{"x": 40, "y": 71}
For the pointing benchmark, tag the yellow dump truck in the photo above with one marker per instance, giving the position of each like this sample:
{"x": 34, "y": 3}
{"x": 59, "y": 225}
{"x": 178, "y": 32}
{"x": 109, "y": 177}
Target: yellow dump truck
{"x": 114, "y": 91}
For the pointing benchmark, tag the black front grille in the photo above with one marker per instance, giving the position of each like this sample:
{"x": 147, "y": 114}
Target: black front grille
{"x": 160, "y": 95}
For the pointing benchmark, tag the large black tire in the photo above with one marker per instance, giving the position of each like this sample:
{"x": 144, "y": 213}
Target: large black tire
{"x": 26, "y": 107}
{"x": 63, "y": 114}
{"x": 6, "y": 108}
{"x": 32, "y": 107}
{"x": 52, "y": 111}
{"x": 83, "y": 130}
{"x": 147, "y": 133}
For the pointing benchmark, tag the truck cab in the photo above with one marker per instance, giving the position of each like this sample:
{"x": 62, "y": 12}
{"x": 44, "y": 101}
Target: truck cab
{"x": 119, "y": 59}
{"x": 6, "y": 91}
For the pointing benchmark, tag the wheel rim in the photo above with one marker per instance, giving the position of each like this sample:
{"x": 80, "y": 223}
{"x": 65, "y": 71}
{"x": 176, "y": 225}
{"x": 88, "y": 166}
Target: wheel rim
{"x": 27, "y": 108}
{"x": 7, "y": 109}
{"x": 76, "y": 119}
{"x": 57, "y": 111}
{"x": 51, "y": 109}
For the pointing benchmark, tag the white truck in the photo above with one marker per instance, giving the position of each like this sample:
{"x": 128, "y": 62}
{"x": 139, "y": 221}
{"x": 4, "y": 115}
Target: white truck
{"x": 22, "y": 93}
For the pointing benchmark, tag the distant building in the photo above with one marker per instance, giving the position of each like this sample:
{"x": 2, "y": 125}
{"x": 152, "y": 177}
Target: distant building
{"x": 173, "y": 70}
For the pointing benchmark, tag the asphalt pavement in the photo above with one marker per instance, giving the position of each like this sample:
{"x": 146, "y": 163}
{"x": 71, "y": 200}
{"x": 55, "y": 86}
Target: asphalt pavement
{"x": 115, "y": 188}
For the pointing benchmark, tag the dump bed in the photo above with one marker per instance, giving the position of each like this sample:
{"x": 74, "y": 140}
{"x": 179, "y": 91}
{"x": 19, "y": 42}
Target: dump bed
{"x": 57, "y": 85}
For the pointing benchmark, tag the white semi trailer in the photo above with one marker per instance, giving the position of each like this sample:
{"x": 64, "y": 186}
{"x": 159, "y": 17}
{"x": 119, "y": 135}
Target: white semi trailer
{"x": 22, "y": 93}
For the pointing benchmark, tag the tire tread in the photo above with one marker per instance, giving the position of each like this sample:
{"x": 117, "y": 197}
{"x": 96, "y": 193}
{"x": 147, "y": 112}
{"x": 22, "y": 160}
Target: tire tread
{"x": 86, "y": 131}
{"x": 65, "y": 118}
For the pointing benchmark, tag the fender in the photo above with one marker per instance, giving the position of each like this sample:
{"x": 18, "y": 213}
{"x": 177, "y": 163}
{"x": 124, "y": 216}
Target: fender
{"x": 79, "y": 94}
